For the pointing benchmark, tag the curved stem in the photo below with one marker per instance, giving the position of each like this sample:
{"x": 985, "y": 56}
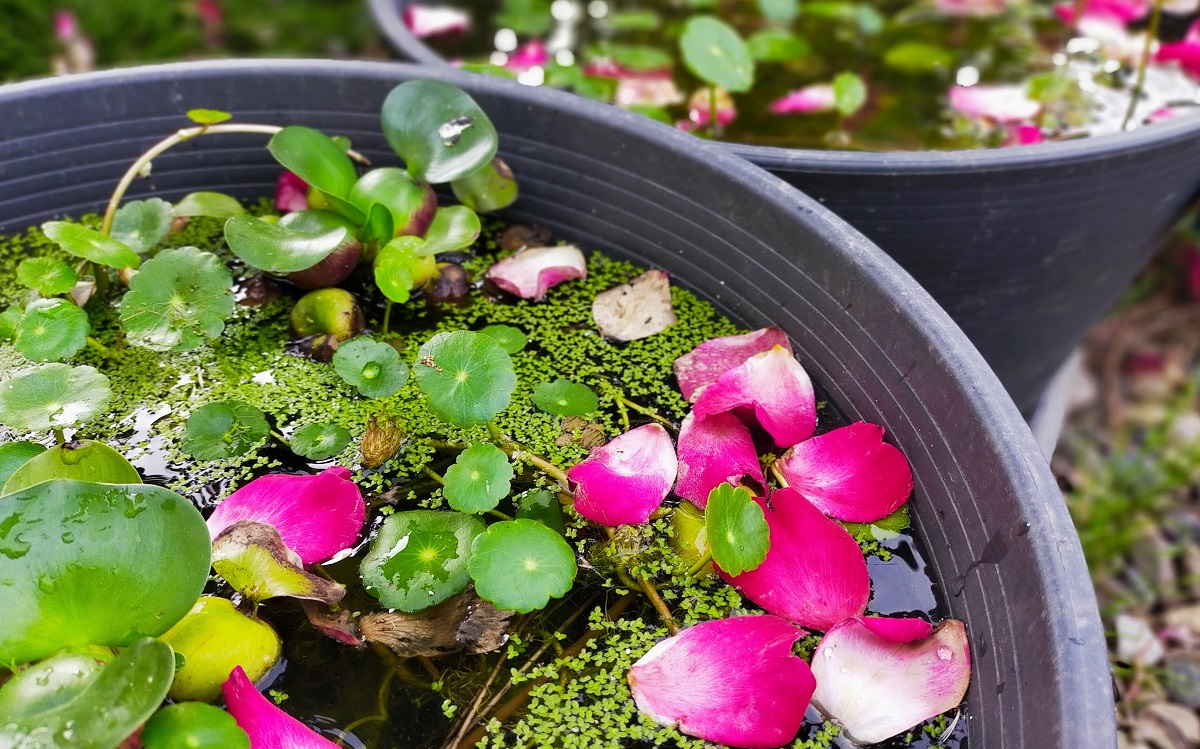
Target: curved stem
{"x": 281, "y": 439}
{"x": 701, "y": 564}
{"x": 434, "y": 475}
{"x": 387, "y": 316}
{"x": 1143, "y": 63}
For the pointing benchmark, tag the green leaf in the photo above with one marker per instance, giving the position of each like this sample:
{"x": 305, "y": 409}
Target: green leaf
{"x": 881, "y": 530}
{"x": 479, "y": 479}
{"x": 52, "y": 329}
{"x": 315, "y": 158}
{"x": 454, "y": 227}
{"x": 193, "y": 725}
{"x": 737, "y": 530}
{"x": 565, "y": 398}
{"x": 519, "y": 565}
{"x": 642, "y": 19}
{"x": 90, "y": 244}
{"x": 208, "y": 116}
{"x": 82, "y": 460}
{"x": 544, "y": 507}
{"x": 379, "y": 228}
{"x": 69, "y": 703}
{"x": 779, "y": 11}
{"x": 715, "y": 53}
{"x": 178, "y": 301}
{"x": 777, "y": 45}
{"x": 466, "y": 377}
{"x": 640, "y": 57}
{"x": 225, "y": 429}
{"x": 47, "y": 276}
{"x": 526, "y": 17}
{"x": 211, "y": 204}
{"x": 849, "y": 93}
{"x": 439, "y": 131}
{"x": 320, "y": 441}
{"x": 410, "y": 202}
{"x": 419, "y": 558}
{"x": 395, "y": 267}
{"x": 96, "y": 564}
{"x": 52, "y": 396}
{"x": 13, "y": 455}
{"x": 572, "y": 78}
{"x": 489, "y": 188}
{"x": 255, "y": 562}
{"x": 918, "y": 57}
{"x": 141, "y": 224}
{"x": 510, "y": 339}
{"x": 371, "y": 366}
{"x": 278, "y": 248}
{"x": 8, "y": 322}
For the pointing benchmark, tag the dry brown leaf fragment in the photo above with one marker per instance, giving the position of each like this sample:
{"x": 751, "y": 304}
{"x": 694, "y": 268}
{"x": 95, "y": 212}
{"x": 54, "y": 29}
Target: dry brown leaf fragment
{"x": 637, "y": 309}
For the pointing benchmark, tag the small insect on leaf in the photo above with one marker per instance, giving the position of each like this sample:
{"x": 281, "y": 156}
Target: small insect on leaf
{"x": 208, "y": 116}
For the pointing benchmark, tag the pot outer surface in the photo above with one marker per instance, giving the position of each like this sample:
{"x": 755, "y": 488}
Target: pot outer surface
{"x": 1002, "y": 547}
{"x": 1026, "y": 248}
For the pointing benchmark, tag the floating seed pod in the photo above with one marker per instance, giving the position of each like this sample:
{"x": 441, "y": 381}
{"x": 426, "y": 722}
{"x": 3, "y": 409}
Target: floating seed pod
{"x": 213, "y": 638}
{"x": 338, "y": 266}
{"x": 450, "y": 286}
{"x": 331, "y": 312}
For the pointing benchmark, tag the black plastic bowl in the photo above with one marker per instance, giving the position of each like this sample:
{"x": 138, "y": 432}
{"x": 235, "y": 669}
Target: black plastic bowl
{"x": 1002, "y": 547}
{"x": 1026, "y": 248}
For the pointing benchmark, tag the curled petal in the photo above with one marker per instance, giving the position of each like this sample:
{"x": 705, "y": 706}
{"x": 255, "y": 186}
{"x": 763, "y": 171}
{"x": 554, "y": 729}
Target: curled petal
{"x": 898, "y": 629}
{"x": 255, "y": 562}
{"x": 778, "y": 389}
{"x": 317, "y": 516}
{"x": 625, "y": 481}
{"x": 815, "y": 98}
{"x": 849, "y": 473}
{"x": 267, "y": 726}
{"x": 433, "y": 20}
{"x": 814, "y": 573}
{"x": 1004, "y": 104}
{"x": 530, "y": 272}
{"x": 877, "y": 687}
{"x": 714, "y": 449}
{"x": 731, "y": 681}
{"x": 291, "y": 193}
{"x": 704, "y": 364}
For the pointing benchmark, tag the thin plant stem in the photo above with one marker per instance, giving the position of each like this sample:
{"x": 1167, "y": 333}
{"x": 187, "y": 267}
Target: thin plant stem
{"x": 778, "y": 474}
{"x": 712, "y": 109}
{"x": 464, "y": 723}
{"x": 648, "y": 589}
{"x": 434, "y": 475}
{"x": 281, "y": 439}
{"x": 387, "y": 316}
{"x": 701, "y": 564}
{"x": 1143, "y": 63}
{"x": 645, "y": 411}
{"x": 385, "y": 688}
{"x": 100, "y": 273}
{"x": 59, "y": 437}
{"x": 516, "y": 452}
{"x": 500, "y": 515}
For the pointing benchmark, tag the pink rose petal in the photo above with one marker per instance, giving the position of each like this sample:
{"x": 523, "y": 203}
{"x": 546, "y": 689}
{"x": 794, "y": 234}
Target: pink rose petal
{"x": 815, "y": 98}
{"x": 1024, "y": 135}
{"x": 625, "y": 481}
{"x": 531, "y": 55}
{"x": 777, "y": 388}
{"x": 700, "y": 108}
{"x": 731, "y": 681}
{"x": 1123, "y": 11}
{"x": 814, "y": 573}
{"x": 849, "y": 473}
{"x": 898, "y": 629}
{"x": 712, "y": 450}
{"x": 877, "y": 687}
{"x": 267, "y": 726}
{"x": 713, "y": 358}
{"x": 1001, "y": 103}
{"x": 532, "y": 271}
{"x": 1185, "y": 52}
{"x": 317, "y": 516}
{"x": 653, "y": 88}
{"x": 291, "y": 193}
{"x": 434, "y": 20}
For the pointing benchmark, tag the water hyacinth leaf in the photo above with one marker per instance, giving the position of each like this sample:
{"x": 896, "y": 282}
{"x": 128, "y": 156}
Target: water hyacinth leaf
{"x": 89, "y": 244}
{"x": 511, "y": 339}
{"x": 82, "y": 460}
{"x": 918, "y": 57}
{"x": 777, "y": 388}
{"x": 777, "y": 45}
{"x": 101, "y": 706}
{"x": 315, "y": 158}
{"x": 532, "y": 271}
{"x": 704, "y": 364}
{"x": 737, "y": 529}
{"x": 544, "y": 507}
{"x": 178, "y": 301}
{"x": 372, "y": 367}
{"x": 439, "y": 131}
{"x": 47, "y": 276}
{"x": 467, "y": 378}
{"x": 715, "y": 53}
{"x": 565, "y": 398}
{"x": 208, "y": 116}
{"x": 141, "y": 224}
{"x": 396, "y": 267}
{"x": 881, "y": 530}
{"x": 51, "y": 329}
{"x": 337, "y": 265}
{"x": 320, "y": 441}
{"x": 412, "y": 204}
{"x": 519, "y": 565}
{"x": 849, "y": 93}
{"x": 480, "y": 477}
{"x": 714, "y": 450}
{"x": 52, "y": 396}
{"x": 193, "y": 725}
{"x": 625, "y": 481}
{"x": 454, "y": 227}
{"x": 13, "y": 455}
{"x": 267, "y": 725}
{"x": 780, "y": 12}
{"x": 277, "y": 248}
{"x": 255, "y": 562}
{"x": 135, "y": 557}
{"x": 419, "y": 558}
{"x": 210, "y": 204}
{"x": 489, "y": 188}
{"x": 225, "y": 429}
{"x": 379, "y": 228}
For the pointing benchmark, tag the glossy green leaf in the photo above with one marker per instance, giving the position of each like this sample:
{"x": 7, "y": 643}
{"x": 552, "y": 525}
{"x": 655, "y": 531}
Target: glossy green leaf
{"x": 480, "y": 477}
{"x": 212, "y": 638}
{"x": 639, "y": 56}
{"x": 320, "y": 441}
{"x": 255, "y": 562}
{"x": 519, "y": 565}
{"x": 467, "y": 378}
{"x": 716, "y": 54}
{"x": 89, "y": 244}
{"x": 565, "y": 398}
{"x": 315, "y": 158}
{"x": 918, "y": 57}
{"x": 193, "y": 725}
{"x": 544, "y": 507}
{"x": 527, "y": 17}
{"x": 511, "y": 339}
{"x": 779, "y": 11}
{"x": 439, "y": 131}
{"x": 411, "y": 203}
{"x": 884, "y": 529}
{"x": 141, "y": 224}
{"x": 737, "y": 530}
{"x": 640, "y": 19}
{"x": 379, "y": 228}
{"x": 96, "y": 564}
{"x": 82, "y": 460}
{"x": 777, "y": 45}
{"x": 47, "y": 276}
{"x": 210, "y": 204}
{"x": 52, "y": 396}
{"x": 330, "y": 311}
{"x": 66, "y": 703}
{"x": 373, "y": 367}
{"x": 8, "y": 322}
{"x": 278, "y": 248}
{"x": 208, "y": 116}
{"x": 178, "y": 301}
{"x": 13, "y": 455}
{"x": 454, "y": 227}
{"x": 419, "y": 558}
{"x": 225, "y": 429}
{"x": 396, "y": 267}
{"x": 52, "y": 329}
{"x": 489, "y": 188}
{"x": 849, "y": 93}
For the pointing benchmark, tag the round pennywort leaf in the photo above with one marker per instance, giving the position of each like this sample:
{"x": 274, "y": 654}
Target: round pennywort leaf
{"x": 849, "y": 93}
{"x": 565, "y": 398}
{"x": 142, "y": 224}
{"x": 420, "y": 558}
{"x": 519, "y": 565}
{"x": 320, "y": 441}
{"x": 510, "y": 339}
{"x": 713, "y": 51}
{"x": 439, "y": 131}
{"x": 737, "y": 529}
{"x": 466, "y": 377}
{"x": 193, "y": 725}
{"x": 52, "y": 396}
{"x": 177, "y": 301}
{"x": 89, "y": 244}
{"x": 52, "y": 329}
{"x": 372, "y": 367}
{"x": 48, "y": 276}
{"x": 223, "y": 430}
{"x": 479, "y": 479}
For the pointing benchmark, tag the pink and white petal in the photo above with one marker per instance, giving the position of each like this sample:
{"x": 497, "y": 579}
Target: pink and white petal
{"x": 1023, "y": 135}
{"x": 849, "y": 473}
{"x": 625, "y": 481}
{"x": 897, "y": 629}
{"x": 814, "y": 573}
{"x": 530, "y": 55}
{"x": 291, "y": 193}
{"x": 532, "y": 271}
{"x": 713, "y": 450}
{"x": 1186, "y": 52}
{"x": 267, "y": 726}
{"x": 818, "y": 97}
{"x": 316, "y": 516}
{"x": 876, "y": 687}
{"x": 1002, "y": 103}
{"x": 778, "y": 389}
{"x": 731, "y": 681}
{"x": 704, "y": 364}
{"x": 434, "y": 20}
{"x": 1122, "y": 11}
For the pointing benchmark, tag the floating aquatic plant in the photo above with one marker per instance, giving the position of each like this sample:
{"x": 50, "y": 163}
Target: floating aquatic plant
{"x": 519, "y": 565}
{"x": 52, "y": 396}
{"x": 222, "y": 430}
{"x": 480, "y": 477}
